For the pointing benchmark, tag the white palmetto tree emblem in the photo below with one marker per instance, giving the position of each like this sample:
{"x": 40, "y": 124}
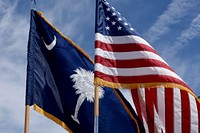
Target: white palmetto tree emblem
{"x": 84, "y": 87}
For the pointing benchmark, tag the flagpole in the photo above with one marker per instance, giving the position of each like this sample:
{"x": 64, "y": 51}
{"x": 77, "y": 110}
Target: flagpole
{"x": 27, "y": 116}
{"x": 96, "y": 97}
{"x": 96, "y": 110}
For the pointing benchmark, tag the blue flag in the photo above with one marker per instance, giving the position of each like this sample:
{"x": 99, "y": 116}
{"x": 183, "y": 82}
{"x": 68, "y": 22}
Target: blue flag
{"x": 60, "y": 84}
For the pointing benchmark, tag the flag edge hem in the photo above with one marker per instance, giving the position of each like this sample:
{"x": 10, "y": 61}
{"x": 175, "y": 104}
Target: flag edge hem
{"x": 51, "y": 117}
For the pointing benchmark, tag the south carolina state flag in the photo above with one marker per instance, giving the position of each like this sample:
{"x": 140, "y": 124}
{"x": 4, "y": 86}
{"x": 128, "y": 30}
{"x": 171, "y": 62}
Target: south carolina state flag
{"x": 60, "y": 84}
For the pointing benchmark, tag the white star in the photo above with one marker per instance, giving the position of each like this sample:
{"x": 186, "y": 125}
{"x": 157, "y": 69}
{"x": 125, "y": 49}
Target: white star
{"x": 132, "y": 29}
{"x": 107, "y": 18}
{"x": 125, "y": 24}
{"x": 113, "y": 23}
{"x": 107, "y": 28}
{"x": 114, "y": 14}
{"x": 108, "y": 9}
{"x": 120, "y": 19}
{"x": 119, "y": 28}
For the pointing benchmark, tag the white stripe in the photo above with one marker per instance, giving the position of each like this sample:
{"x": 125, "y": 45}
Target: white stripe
{"x": 121, "y": 39}
{"x": 161, "y": 104}
{"x": 146, "y": 128}
{"x": 128, "y": 55}
{"x": 128, "y": 96}
{"x": 193, "y": 115}
{"x": 142, "y": 71}
{"x": 158, "y": 124}
{"x": 177, "y": 111}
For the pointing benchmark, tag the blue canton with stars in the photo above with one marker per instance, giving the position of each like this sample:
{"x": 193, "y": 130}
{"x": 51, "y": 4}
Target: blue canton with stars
{"x": 110, "y": 22}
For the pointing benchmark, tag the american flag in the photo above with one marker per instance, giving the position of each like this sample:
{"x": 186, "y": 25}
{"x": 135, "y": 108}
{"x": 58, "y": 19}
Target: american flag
{"x": 123, "y": 59}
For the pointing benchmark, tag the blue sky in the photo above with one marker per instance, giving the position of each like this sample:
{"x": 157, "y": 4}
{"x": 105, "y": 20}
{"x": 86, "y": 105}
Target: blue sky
{"x": 172, "y": 27}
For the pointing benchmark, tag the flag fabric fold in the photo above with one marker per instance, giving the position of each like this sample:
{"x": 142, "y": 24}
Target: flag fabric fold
{"x": 148, "y": 85}
{"x": 167, "y": 110}
{"x": 60, "y": 84}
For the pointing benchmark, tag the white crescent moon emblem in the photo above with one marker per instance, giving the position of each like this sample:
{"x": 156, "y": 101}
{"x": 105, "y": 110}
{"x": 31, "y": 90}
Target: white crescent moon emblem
{"x": 50, "y": 46}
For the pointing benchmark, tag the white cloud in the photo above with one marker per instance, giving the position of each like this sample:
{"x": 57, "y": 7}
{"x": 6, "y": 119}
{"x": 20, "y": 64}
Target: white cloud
{"x": 69, "y": 16}
{"x": 175, "y": 11}
{"x": 183, "y": 40}
{"x": 12, "y": 67}
{"x": 190, "y": 33}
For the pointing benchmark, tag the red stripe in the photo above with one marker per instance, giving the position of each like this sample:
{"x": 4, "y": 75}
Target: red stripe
{"x": 169, "y": 110}
{"x": 185, "y": 112}
{"x": 134, "y": 93}
{"x": 131, "y": 63}
{"x": 124, "y": 47}
{"x": 139, "y": 79}
{"x": 150, "y": 111}
{"x": 154, "y": 97}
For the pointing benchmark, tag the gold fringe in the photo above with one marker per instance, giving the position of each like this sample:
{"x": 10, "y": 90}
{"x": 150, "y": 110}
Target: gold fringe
{"x": 101, "y": 82}
{"x": 53, "y": 118}
{"x": 68, "y": 39}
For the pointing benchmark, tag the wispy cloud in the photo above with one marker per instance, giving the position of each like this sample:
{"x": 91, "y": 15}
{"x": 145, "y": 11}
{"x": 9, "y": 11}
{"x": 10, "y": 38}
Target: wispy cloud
{"x": 183, "y": 40}
{"x": 175, "y": 11}
{"x": 70, "y": 17}
{"x": 13, "y": 42}
{"x": 190, "y": 33}
{"x": 14, "y": 28}
{"x": 12, "y": 67}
